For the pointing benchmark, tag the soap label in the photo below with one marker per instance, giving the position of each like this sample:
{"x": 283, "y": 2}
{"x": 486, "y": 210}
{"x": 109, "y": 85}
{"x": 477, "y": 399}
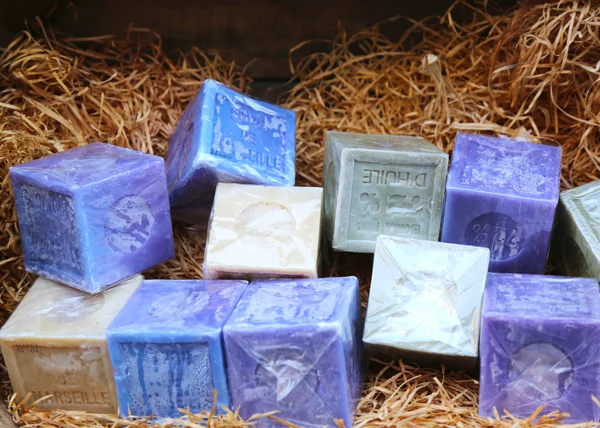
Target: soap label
{"x": 390, "y": 199}
{"x": 498, "y": 232}
{"x": 52, "y": 228}
{"x": 76, "y": 377}
{"x": 240, "y": 133}
{"x": 164, "y": 377}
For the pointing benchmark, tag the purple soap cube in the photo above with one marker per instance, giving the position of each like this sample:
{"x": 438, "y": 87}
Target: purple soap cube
{"x": 94, "y": 215}
{"x": 540, "y": 345}
{"x": 166, "y": 347}
{"x": 502, "y": 194}
{"x": 294, "y": 346}
{"x": 226, "y": 136}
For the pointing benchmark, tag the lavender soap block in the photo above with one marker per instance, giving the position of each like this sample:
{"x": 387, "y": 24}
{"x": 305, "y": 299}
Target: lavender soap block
{"x": 540, "y": 345}
{"x": 576, "y": 240}
{"x": 502, "y": 194}
{"x": 93, "y": 216}
{"x": 381, "y": 184}
{"x": 294, "y": 346}
{"x": 226, "y": 136}
{"x": 166, "y": 347}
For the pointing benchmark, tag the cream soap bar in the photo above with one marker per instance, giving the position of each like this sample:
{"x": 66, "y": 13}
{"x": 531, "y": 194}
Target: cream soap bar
{"x": 381, "y": 184}
{"x": 263, "y": 232}
{"x": 55, "y": 344}
{"x": 425, "y": 300}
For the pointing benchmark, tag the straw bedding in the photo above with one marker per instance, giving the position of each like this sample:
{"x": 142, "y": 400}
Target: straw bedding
{"x": 531, "y": 73}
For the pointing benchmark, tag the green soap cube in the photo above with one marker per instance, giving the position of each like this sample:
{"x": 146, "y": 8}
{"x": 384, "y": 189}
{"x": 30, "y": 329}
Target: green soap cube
{"x": 381, "y": 184}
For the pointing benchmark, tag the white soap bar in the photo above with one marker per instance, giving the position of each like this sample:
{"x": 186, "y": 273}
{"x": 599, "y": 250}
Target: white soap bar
{"x": 263, "y": 232}
{"x": 55, "y": 344}
{"x": 425, "y": 299}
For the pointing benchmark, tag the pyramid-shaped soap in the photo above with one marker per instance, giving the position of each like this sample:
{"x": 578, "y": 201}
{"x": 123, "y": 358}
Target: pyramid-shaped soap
{"x": 425, "y": 300}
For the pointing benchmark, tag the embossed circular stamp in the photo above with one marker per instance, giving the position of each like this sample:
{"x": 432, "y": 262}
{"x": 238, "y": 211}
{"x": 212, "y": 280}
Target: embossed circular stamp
{"x": 70, "y": 305}
{"x": 267, "y": 222}
{"x": 128, "y": 224}
{"x": 498, "y": 232}
{"x": 541, "y": 371}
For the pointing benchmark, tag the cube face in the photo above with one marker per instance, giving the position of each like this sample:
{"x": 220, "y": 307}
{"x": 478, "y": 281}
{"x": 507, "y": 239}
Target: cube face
{"x": 502, "y": 194}
{"x": 539, "y": 346}
{"x": 54, "y": 343}
{"x": 576, "y": 241}
{"x": 263, "y": 232}
{"x": 166, "y": 347}
{"x": 294, "y": 346}
{"x": 431, "y": 292}
{"x": 225, "y": 136}
{"x": 93, "y": 216}
{"x": 392, "y": 185}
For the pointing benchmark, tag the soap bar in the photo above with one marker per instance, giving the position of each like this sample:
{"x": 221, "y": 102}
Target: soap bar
{"x": 93, "y": 216}
{"x": 166, "y": 347}
{"x": 540, "y": 345}
{"x": 576, "y": 240}
{"x": 381, "y": 184}
{"x": 425, "y": 300}
{"x": 263, "y": 232}
{"x": 54, "y": 343}
{"x": 294, "y": 346}
{"x": 502, "y": 194}
{"x": 226, "y": 136}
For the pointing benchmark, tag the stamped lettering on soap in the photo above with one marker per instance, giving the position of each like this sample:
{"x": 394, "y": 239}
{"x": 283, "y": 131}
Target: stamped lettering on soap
{"x": 390, "y": 199}
{"x": 498, "y": 232}
{"x": 541, "y": 372}
{"x": 244, "y": 133}
{"x": 52, "y": 230}
{"x": 128, "y": 224}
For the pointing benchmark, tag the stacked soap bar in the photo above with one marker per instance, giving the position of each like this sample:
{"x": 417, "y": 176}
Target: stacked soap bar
{"x": 93, "y": 216}
{"x": 166, "y": 347}
{"x": 263, "y": 232}
{"x": 381, "y": 184}
{"x": 540, "y": 345}
{"x": 425, "y": 300}
{"x": 54, "y": 344}
{"x": 225, "y": 136}
{"x": 294, "y": 346}
{"x": 576, "y": 241}
{"x": 502, "y": 194}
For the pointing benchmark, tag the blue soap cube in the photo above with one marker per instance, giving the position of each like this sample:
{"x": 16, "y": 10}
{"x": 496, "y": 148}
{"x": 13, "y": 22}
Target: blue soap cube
{"x": 94, "y": 215}
{"x": 226, "y": 136}
{"x": 294, "y": 346}
{"x": 166, "y": 350}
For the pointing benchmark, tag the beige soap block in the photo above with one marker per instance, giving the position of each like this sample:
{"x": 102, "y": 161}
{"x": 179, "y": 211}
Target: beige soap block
{"x": 263, "y": 232}
{"x": 55, "y": 344}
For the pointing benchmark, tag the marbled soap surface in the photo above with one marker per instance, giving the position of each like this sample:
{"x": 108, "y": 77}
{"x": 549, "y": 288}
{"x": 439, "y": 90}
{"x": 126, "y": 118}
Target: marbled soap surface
{"x": 226, "y": 136}
{"x": 93, "y": 216}
{"x": 294, "y": 346}
{"x": 54, "y": 343}
{"x": 502, "y": 194}
{"x": 166, "y": 346}
{"x": 540, "y": 346}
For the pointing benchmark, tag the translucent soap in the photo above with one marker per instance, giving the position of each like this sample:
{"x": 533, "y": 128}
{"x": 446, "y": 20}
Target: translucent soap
{"x": 226, "y": 136}
{"x": 502, "y": 194}
{"x": 294, "y": 346}
{"x": 576, "y": 240}
{"x": 263, "y": 232}
{"x": 381, "y": 184}
{"x": 93, "y": 216}
{"x": 55, "y": 344}
{"x": 425, "y": 300}
{"x": 166, "y": 347}
{"x": 540, "y": 345}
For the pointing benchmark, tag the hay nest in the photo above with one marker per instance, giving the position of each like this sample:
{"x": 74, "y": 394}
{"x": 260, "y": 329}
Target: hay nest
{"x": 531, "y": 73}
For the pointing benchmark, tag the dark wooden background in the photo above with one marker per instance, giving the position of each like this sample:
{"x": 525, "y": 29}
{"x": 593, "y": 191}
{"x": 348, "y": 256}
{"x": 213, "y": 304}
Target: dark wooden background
{"x": 262, "y": 31}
